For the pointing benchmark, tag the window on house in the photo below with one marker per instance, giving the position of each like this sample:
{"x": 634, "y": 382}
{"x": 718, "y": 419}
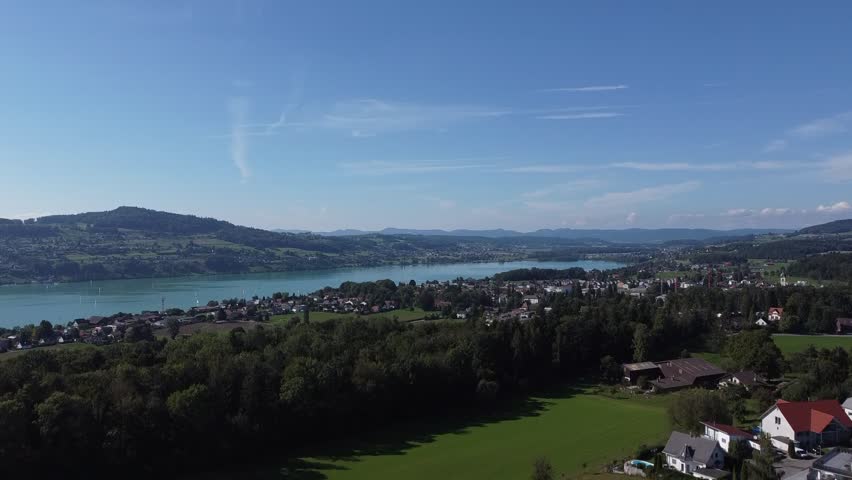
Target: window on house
{"x": 777, "y": 420}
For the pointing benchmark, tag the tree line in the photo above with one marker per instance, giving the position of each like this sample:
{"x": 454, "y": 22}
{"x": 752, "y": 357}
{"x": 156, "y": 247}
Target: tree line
{"x": 164, "y": 406}
{"x": 196, "y": 402}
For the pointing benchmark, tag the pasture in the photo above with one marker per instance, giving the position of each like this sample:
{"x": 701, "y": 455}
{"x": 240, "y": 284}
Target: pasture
{"x": 797, "y": 343}
{"x": 579, "y": 431}
{"x": 403, "y": 315}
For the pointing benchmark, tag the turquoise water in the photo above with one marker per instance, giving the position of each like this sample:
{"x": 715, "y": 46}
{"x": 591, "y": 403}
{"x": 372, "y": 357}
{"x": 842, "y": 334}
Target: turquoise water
{"x": 61, "y": 303}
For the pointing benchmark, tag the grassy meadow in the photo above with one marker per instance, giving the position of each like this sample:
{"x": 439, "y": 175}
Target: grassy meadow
{"x": 797, "y": 343}
{"x": 403, "y": 314}
{"x": 579, "y": 431}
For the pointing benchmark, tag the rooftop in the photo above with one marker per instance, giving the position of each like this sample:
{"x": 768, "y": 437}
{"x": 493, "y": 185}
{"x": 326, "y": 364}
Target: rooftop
{"x": 699, "y": 448}
{"x": 729, "y": 429}
{"x": 838, "y": 461}
{"x": 813, "y": 416}
{"x": 640, "y": 366}
{"x": 711, "y": 472}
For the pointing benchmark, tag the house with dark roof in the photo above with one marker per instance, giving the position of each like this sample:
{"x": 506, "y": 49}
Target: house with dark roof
{"x": 807, "y": 424}
{"x": 747, "y": 378}
{"x": 725, "y": 434}
{"x": 649, "y": 370}
{"x": 675, "y": 374}
{"x": 691, "y": 455}
{"x": 687, "y": 372}
{"x": 836, "y": 465}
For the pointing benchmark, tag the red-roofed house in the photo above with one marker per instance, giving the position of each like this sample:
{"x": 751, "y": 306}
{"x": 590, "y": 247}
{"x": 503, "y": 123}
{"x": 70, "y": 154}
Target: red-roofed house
{"x": 725, "y": 434}
{"x": 822, "y": 422}
{"x": 775, "y": 314}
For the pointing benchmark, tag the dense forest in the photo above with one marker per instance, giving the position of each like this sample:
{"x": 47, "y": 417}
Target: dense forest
{"x": 160, "y": 405}
{"x": 837, "y": 226}
{"x": 522, "y": 274}
{"x": 831, "y": 266}
{"x": 791, "y": 248}
{"x": 164, "y": 406}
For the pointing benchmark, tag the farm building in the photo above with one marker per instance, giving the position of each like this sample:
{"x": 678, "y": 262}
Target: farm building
{"x": 675, "y": 374}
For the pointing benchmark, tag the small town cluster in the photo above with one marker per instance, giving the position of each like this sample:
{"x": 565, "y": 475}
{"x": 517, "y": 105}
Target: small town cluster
{"x": 800, "y": 433}
{"x": 493, "y": 299}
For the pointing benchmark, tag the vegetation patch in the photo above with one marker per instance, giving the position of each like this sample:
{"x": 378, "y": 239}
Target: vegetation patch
{"x": 798, "y": 343}
{"x": 578, "y": 431}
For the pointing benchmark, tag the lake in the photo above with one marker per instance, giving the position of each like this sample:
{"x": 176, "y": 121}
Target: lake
{"x": 61, "y": 303}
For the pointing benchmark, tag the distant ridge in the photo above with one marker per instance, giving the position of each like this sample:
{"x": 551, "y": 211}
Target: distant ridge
{"x": 630, "y": 235}
{"x": 837, "y": 226}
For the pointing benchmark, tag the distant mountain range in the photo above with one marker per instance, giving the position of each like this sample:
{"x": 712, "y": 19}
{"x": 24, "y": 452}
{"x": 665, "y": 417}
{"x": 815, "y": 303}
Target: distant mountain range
{"x": 629, "y": 235}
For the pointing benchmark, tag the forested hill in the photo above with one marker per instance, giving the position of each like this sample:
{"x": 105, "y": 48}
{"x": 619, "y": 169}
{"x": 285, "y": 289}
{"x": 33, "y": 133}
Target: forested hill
{"x": 135, "y": 218}
{"x": 131, "y": 242}
{"x": 837, "y": 226}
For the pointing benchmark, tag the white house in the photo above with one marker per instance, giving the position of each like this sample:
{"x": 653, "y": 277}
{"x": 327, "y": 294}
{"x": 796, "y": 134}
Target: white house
{"x": 725, "y": 434}
{"x": 847, "y": 407}
{"x": 808, "y": 424}
{"x": 687, "y": 454}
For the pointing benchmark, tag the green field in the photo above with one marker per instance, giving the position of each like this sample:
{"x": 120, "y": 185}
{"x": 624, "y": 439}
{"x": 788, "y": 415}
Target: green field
{"x": 403, "y": 315}
{"x": 791, "y": 344}
{"x": 671, "y": 274}
{"x": 578, "y": 431}
{"x": 797, "y": 343}
{"x": 63, "y": 346}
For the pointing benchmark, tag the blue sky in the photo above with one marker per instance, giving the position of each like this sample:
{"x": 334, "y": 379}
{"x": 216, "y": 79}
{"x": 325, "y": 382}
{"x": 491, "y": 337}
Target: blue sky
{"x": 323, "y": 115}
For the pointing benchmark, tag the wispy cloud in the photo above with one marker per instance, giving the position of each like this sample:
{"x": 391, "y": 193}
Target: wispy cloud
{"x": 442, "y": 203}
{"x": 238, "y": 108}
{"x": 767, "y": 217}
{"x": 631, "y": 218}
{"x": 821, "y": 127}
{"x": 714, "y": 84}
{"x": 836, "y": 208}
{"x": 776, "y": 145}
{"x": 837, "y": 168}
{"x": 580, "y": 116}
{"x": 824, "y": 126}
{"x": 376, "y": 167}
{"x": 643, "y": 195}
{"x": 762, "y": 212}
{"x": 588, "y": 88}
{"x": 674, "y": 166}
{"x": 562, "y": 188}
{"x": 544, "y": 168}
{"x": 551, "y": 206}
{"x": 707, "y": 167}
{"x": 368, "y": 117}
